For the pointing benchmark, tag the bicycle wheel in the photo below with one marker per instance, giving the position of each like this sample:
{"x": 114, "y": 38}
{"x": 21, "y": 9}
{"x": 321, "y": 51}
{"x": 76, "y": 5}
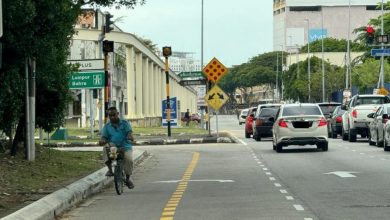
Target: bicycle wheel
{"x": 118, "y": 179}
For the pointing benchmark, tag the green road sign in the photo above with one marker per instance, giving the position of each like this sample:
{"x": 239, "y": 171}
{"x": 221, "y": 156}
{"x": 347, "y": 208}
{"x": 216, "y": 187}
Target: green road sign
{"x": 86, "y": 80}
{"x": 194, "y": 74}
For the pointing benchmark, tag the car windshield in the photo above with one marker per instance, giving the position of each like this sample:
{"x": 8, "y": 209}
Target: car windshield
{"x": 268, "y": 112}
{"x": 371, "y": 100}
{"x": 301, "y": 110}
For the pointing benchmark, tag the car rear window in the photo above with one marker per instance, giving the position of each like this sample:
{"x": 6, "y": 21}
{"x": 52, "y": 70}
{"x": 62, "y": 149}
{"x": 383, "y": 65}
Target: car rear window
{"x": 328, "y": 109}
{"x": 301, "y": 110}
{"x": 244, "y": 112}
{"x": 371, "y": 100}
{"x": 268, "y": 112}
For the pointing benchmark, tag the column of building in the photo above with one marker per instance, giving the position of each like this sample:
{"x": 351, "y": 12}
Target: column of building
{"x": 130, "y": 69}
{"x": 139, "y": 85}
{"x": 146, "y": 87}
{"x": 151, "y": 89}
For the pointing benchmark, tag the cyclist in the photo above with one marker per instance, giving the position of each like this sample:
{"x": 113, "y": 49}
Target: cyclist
{"x": 118, "y": 134}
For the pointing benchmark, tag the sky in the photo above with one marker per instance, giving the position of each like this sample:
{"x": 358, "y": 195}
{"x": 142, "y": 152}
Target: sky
{"x": 233, "y": 32}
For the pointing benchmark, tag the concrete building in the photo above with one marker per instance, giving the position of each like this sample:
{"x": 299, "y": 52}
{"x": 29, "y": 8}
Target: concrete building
{"x": 298, "y": 21}
{"x": 137, "y": 77}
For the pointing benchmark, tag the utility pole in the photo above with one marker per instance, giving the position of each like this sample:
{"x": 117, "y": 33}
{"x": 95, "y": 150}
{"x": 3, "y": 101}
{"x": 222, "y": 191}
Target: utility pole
{"x": 277, "y": 77}
{"x": 322, "y": 51}
{"x": 382, "y": 74}
{"x": 308, "y": 58}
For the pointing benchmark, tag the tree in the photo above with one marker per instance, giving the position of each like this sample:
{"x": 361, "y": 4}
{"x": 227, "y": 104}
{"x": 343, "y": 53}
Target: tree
{"x": 41, "y": 30}
{"x": 332, "y": 45}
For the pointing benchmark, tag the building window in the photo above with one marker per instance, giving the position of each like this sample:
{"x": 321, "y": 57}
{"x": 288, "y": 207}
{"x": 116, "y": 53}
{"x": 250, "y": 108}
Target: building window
{"x": 306, "y": 8}
{"x": 372, "y": 7}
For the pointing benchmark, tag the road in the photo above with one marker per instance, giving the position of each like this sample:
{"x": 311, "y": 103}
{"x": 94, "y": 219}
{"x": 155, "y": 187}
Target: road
{"x": 249, "y": 180}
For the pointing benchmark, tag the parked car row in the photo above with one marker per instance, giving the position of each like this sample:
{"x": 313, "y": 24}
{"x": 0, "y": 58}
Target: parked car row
{"x": 313, "y": 123}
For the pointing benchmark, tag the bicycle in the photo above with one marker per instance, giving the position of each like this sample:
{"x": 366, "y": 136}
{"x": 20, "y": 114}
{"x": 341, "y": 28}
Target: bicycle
{"x": 119, "y": 172}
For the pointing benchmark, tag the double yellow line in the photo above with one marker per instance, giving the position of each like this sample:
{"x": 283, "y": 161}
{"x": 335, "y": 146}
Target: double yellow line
{"x": 170, "y": 207}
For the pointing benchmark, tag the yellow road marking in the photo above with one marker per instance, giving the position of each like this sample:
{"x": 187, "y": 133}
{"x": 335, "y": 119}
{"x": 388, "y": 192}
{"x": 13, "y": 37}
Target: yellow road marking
{"x": 170, "y": 208}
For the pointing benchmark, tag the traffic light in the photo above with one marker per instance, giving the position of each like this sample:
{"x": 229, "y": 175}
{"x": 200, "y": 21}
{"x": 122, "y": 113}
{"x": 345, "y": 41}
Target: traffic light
{"x": 108, "y": 25}
{"x": 108, "y": 46}
{"x": 167, "y": 51}
{"x": 370, "y": 31}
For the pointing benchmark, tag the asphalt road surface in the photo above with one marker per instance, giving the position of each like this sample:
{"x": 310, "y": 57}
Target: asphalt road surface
{"x": 249, "y": 180}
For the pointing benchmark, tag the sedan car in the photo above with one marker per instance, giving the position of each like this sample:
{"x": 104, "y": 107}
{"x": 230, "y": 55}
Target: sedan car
{"x": 300, "y": 124}
{"x": 262, "y": 125}
{"x": 335, "y": 123}
{"x": 242, "y": 116}
{"x": 249, "y": 122}
{"x": 377, "y": 125}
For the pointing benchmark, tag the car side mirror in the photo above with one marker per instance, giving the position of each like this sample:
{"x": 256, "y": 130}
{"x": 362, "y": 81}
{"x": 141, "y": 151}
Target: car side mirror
{"x": 385, "y": 116}
{"x": 371, "y": 115}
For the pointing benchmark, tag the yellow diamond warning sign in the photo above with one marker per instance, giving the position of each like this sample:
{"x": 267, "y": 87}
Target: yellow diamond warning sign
{"x": 214, "y": 70}
{"x": 216, "y": 98}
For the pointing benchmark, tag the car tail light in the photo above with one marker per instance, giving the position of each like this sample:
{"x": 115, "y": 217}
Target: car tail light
{"x": 282, "y": 123}
{"x": 323, "y": 122}
{"x": 259, "y": 122}
{"x": 339, "y": 119}
{"x": 354, "y": 113}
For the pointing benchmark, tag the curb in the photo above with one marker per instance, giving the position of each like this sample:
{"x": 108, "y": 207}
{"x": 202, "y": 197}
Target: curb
{"x": 157, "y": 141}
{"x": 57, "y": 202}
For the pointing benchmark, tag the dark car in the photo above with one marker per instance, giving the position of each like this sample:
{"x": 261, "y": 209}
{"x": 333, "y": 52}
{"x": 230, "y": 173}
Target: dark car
{"x": 327, "y": 109}
{"x": 263, "y": 124}
{"x": 249, "y": 121}
{"x": 336, "y": 122}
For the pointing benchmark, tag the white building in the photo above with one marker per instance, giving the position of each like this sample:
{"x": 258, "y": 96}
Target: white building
{"x": 296, "y": 21}
{"x": 137, "y": 76}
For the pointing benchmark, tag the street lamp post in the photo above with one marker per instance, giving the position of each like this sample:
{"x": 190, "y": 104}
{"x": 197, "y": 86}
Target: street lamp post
{"x": 308, "y": 57}
{"x": 322, "y": 51}
{"x": 281, "y": 74}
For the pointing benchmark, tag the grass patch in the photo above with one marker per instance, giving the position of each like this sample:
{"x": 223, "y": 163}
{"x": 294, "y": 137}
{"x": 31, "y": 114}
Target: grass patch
{"x": 21, "y": 179}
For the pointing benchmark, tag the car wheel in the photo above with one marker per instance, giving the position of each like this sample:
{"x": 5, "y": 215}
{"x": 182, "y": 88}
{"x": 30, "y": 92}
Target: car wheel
{"x": 370, "y": 142}
{"x": 247, "y": 135}
{"x": 334, "y": 133}
{"x": 279, "y": 148}
{"x": 323, "y": 146}
{"x": 385, "y": 146}
{"x": 273, "y": 145}
{"x": 352, "y": 135}
{"x": 258, "y": 137}
{"x": 344, "y": 135}
{"x": 378, "y": 143}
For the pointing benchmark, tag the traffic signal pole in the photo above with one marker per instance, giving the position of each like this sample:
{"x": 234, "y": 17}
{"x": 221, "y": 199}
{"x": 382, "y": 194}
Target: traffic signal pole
{"x": 168, "y": 98}
{"x": 106, "y": 86}
{"x": 167, "y": 51}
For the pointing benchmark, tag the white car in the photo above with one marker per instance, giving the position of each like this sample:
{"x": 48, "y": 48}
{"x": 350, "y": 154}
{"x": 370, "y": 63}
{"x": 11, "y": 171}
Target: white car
{"x": 300, "y": 124}
{"x": 242, "y": 117}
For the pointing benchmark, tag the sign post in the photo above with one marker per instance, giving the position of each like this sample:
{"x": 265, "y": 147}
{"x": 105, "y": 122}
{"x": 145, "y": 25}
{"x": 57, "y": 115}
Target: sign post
{"x": 215, "y": 97}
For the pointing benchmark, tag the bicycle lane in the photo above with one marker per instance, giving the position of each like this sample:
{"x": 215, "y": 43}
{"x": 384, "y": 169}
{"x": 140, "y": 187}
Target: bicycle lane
{"x": 213, "y": 181}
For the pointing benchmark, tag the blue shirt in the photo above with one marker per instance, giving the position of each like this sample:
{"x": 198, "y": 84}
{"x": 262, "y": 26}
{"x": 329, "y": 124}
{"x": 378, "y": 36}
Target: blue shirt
{"x": 118, "y": 135}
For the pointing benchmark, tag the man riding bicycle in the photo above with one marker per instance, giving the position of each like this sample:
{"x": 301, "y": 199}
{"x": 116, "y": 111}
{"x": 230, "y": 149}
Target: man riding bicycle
{"x": 118, "y": 134}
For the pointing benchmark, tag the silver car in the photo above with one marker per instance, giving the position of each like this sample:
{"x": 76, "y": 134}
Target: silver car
{"x": 377, "y": 125}
{"x": 300, "y": 124}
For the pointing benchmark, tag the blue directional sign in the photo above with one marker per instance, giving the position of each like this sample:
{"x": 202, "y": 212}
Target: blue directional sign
{"x": 380, "y": 52}
{"x": 173, "y": 103}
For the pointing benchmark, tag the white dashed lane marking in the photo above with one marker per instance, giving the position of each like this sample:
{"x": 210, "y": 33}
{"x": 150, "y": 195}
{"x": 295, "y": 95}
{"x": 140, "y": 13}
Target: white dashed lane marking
{"x": 283, "y": 191}
{"x": 299, "y": 208}
{"x": 289, "y": 198}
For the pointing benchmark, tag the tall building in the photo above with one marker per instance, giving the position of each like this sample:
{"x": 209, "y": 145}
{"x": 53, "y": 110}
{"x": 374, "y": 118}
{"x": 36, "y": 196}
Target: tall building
{"x": 183, "y": 62}
{"x": 298, "y": 21}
